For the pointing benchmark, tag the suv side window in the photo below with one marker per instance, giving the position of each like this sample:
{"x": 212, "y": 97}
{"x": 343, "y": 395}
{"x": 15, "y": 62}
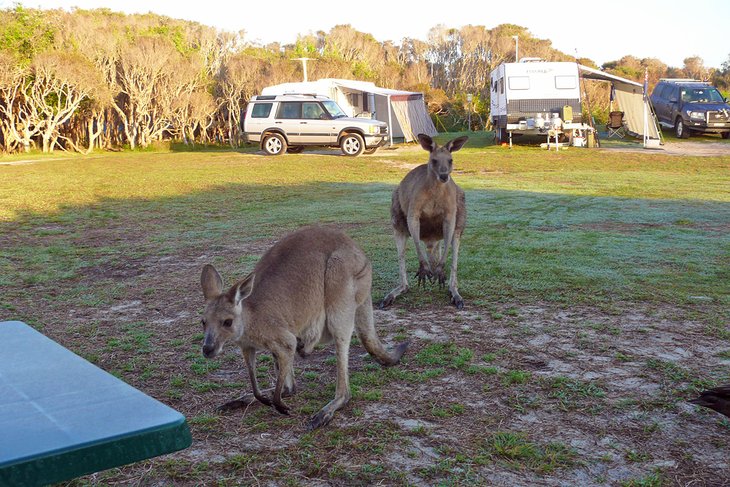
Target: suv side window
{"x": 313, "y": 111}
{"x": 261, "y": 110}
{"x": 289, "y": 109}
{"x": 672, "y": 93}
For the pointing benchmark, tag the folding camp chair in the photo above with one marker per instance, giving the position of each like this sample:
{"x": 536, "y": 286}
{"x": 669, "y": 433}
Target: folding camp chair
{"x": 615, "y": 125}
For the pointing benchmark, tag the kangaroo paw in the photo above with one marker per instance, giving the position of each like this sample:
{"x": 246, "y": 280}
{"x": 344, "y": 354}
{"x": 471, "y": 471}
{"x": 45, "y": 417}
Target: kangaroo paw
{"x": 300, "y": 348}
{"x": 387, "y": 301}
{"x": 282, "y": 408}
{"x": 390, "y": 298}
{"x": 440, "y": 276}
{"x": 423, "y": 273}
{"x": 457, "y": 301}
{"x": 320, "y": 419}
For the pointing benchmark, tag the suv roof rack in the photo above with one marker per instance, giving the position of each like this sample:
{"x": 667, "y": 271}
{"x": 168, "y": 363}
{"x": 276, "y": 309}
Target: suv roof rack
{"x": 682, "y": 80}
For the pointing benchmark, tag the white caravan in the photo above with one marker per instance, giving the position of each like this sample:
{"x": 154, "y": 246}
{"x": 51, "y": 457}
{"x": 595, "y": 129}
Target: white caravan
{"x": 534, "y": 97}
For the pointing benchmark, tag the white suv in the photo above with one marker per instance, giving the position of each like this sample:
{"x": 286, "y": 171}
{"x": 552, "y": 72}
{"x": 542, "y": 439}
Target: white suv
{"x": 288, "y": 123}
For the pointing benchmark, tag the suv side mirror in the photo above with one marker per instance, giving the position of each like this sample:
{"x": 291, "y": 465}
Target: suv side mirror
{"x": 673, "y": 99}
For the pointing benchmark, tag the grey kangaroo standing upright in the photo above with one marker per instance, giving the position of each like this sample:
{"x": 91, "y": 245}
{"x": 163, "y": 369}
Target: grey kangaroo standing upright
{"x": 429, "y": 206}
{"x": 313, "y": 286}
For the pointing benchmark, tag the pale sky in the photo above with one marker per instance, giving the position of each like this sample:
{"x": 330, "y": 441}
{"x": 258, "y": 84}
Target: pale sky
{"x": 670, "y": 30}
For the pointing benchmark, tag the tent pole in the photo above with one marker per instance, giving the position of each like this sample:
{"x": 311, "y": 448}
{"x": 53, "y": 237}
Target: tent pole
{"x": 390, "y": 121}
{"x": 643, "y": 92}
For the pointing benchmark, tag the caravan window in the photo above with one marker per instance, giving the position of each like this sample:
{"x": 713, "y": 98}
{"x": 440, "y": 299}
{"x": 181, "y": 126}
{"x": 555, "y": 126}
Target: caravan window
{"x": 565, "y": 82}
{"x": 500, "y": 84}
{"x": 519, "y": 83}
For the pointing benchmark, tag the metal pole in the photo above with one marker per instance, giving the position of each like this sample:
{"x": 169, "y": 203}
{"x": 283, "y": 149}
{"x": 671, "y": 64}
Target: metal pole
{"x": 469, "y": 98}
{"x": 304, "y": 65}
{"x": 643, "y": 99}
{"x": 390, "y": 121}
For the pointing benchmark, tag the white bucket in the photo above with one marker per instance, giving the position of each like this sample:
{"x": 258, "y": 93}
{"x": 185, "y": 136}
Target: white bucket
{"x": 579, "y": 142}
{"x": 652, "y": 144}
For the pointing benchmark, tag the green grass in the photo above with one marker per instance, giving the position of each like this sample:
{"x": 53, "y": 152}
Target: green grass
{"x": 576, "y": 226}
{"x": 519, "y": 453}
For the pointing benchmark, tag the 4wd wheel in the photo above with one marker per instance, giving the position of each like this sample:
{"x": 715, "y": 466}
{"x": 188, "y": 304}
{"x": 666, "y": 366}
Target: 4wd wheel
{"x": 725, "y": 135}
{"x": 274, "y": 144}
{"x": 373, "y": 149}
{"x": 352, "y": 145}
{"x": 680, "y": 130}
{"x": 295, "y": 149}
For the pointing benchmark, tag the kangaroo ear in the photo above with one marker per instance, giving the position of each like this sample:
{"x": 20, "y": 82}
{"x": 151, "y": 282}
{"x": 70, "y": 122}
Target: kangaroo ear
{"x": 456, "y": 144}
{"x": 241, "y": 290}
{"x": 211, "y": 282}
{"x": 426, "y": 142}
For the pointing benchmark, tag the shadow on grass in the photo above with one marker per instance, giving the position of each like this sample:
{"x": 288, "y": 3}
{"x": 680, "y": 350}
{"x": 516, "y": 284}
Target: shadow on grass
{"x": 518, "y": 246}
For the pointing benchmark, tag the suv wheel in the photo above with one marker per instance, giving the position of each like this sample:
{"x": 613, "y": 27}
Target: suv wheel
{"x": 680, "y": 130}
{"x": 725, "y": 135}
{"x": 352, "y": 145}
{"x": 274, "y": 144}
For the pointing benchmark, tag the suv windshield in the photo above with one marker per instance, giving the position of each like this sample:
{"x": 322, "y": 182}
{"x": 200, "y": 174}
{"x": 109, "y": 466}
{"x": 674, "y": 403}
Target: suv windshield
{"x": 334, "y": 109}
{"x": 701, "y": 95}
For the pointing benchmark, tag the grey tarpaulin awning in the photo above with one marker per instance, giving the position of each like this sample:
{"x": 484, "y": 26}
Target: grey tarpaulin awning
{"x": 630, "y": 97}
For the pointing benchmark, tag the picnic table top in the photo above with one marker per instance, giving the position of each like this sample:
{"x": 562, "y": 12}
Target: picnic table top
{"x": 62, "y": 417}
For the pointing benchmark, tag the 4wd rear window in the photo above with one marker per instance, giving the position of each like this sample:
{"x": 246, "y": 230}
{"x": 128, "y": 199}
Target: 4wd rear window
{"x": 261, "y": 110}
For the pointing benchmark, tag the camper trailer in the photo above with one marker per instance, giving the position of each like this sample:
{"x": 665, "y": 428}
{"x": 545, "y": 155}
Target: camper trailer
{"x": 534, "y": 97}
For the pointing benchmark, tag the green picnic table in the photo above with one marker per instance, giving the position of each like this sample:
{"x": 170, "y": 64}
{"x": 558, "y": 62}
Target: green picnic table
{"x": 62, "y": 417}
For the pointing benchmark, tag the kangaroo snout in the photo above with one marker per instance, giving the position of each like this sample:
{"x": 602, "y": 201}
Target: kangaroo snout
{"x": 208, "y": 351}
{"x": 210, "y": 347}
{"x": 443, "y": 177}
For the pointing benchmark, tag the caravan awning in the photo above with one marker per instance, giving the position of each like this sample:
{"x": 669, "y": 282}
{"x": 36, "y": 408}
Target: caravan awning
{"x": 370, "y": 87}
{"x": 408, "y": 107}
{"x": 630, "y": 97}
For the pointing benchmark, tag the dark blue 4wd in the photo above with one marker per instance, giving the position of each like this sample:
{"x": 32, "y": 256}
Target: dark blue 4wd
{"x": 690, "y": 105}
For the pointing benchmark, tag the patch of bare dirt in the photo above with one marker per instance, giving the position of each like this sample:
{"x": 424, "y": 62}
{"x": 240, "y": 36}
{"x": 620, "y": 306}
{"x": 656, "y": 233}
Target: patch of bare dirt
{"x": 608, "y": 385}
{"x": 684, "y": 148}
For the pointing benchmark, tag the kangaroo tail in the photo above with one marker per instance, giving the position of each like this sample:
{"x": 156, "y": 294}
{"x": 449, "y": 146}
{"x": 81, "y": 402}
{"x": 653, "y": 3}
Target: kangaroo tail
{"x": 365, "y": 326}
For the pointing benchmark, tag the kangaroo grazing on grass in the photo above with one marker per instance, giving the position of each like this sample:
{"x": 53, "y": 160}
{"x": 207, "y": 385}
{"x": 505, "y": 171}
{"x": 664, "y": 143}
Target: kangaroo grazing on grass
{"x": 429, "y": 206}
{"x": 311, "y": 287}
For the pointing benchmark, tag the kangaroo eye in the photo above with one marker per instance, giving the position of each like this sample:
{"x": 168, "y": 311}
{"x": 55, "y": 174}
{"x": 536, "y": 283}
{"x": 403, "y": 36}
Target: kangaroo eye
{"x": 228, "y": 323}
{"x": 202, "y": 322}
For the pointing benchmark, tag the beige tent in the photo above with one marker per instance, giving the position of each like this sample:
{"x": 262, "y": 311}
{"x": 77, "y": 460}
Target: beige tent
{"x": 404, "y": 111}
{"x": 630, "y": 97}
